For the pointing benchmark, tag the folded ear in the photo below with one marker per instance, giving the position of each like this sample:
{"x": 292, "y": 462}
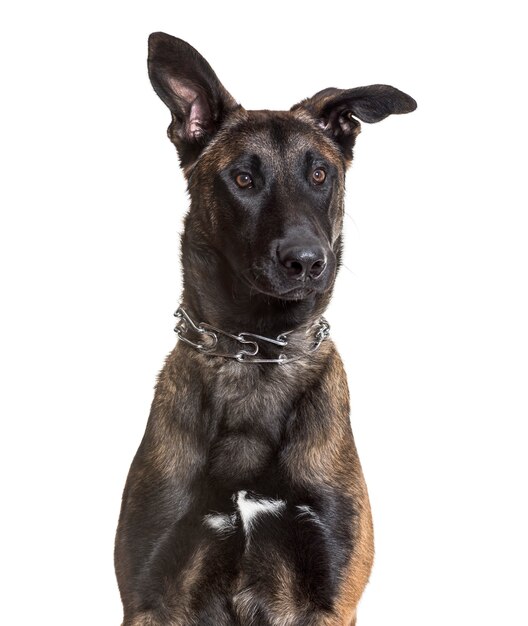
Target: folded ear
{"x": 186, "y": 83}
{"x": 336, "y": 110}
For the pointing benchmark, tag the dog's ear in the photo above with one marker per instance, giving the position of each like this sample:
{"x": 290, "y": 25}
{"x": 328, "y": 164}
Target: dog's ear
{"x": 186, "y": 83}
{"x": 336, "y": 110}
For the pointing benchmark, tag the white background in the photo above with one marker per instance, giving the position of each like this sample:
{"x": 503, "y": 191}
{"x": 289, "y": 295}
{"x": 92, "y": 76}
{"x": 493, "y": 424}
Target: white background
{"x": 430, "y": 311}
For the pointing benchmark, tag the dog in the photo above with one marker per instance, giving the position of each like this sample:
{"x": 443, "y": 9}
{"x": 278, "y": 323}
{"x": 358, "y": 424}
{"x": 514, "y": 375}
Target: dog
{"x": 245, "y": 503}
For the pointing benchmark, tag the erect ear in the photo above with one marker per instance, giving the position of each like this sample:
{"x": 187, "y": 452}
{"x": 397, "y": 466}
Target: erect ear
{"x": 186, "y": 83}
{"x": 336, "y": 110}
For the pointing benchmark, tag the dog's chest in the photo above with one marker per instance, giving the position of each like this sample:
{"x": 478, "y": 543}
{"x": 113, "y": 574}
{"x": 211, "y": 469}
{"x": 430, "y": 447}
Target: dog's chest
{"x": 250, "y": 409}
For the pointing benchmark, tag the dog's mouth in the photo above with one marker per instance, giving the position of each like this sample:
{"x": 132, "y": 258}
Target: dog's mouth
{"x": 299, "y": 292}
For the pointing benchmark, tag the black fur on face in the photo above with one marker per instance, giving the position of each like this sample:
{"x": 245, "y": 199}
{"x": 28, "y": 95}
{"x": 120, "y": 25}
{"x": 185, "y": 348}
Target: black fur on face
{"x": 268, "y": 195}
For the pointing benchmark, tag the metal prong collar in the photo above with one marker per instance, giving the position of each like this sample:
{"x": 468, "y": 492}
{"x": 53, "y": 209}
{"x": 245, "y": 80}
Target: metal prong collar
{"x": 247, "y": 343}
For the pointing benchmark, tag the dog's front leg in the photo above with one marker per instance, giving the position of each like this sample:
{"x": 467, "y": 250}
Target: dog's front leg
{"x": 308, "y": 559}
{"x": 294, "y": 555}
{"x": 189, "y": 570}
{"x": 168, "y": 553}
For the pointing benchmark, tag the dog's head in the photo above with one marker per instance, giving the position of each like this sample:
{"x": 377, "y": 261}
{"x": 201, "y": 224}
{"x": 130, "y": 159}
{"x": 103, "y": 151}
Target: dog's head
{"x": 266, "y": 186}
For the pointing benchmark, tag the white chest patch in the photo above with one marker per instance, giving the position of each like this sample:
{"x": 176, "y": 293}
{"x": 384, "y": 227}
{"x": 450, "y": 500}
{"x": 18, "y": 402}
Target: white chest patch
{"x": 252, "y": 508}
{"x": 221, "y": 523}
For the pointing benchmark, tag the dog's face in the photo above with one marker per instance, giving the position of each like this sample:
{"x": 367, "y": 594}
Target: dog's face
{"x": 267, "y": 187}
{"x": 273, "y": 188}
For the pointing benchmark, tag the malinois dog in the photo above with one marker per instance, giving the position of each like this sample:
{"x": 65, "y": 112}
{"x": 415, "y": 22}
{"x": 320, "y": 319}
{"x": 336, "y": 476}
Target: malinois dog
{"x": 245, "y": 503}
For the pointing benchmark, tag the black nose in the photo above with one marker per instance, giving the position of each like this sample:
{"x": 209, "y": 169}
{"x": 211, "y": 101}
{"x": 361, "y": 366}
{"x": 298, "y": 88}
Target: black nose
{"x": 302, "y": 262}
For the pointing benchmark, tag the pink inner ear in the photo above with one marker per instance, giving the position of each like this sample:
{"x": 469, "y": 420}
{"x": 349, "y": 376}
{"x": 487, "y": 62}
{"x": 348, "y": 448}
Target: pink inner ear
{"x": 198, "y": 113}
{"x": 182, "y": 91}
{"x": 199, "y": 116}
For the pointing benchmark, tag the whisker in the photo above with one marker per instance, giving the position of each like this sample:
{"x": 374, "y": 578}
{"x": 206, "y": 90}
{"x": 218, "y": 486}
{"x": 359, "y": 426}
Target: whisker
{"x": 353, "y": 222}
{"x": 349, "y": 270}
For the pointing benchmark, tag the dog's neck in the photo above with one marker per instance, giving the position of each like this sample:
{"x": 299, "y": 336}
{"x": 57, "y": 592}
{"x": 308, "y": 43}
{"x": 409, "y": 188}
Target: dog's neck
{"x": 212, "y": 293}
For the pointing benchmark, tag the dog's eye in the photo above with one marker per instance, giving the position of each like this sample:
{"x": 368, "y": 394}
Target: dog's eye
{"x": 318, "y": 176}
{"x": 244, "y": 181}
